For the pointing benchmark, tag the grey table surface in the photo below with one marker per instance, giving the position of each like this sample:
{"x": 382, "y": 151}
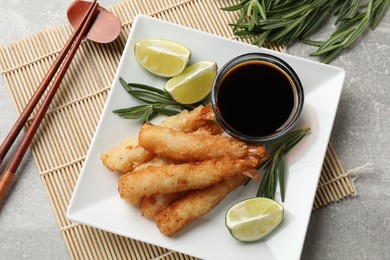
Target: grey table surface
{"x": 355, "y": 228}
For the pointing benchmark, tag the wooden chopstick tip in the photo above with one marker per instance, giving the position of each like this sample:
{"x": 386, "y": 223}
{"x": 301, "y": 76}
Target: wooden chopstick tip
{"x": 5, "y": 182}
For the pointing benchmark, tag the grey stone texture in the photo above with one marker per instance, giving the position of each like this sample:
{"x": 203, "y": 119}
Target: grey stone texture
{"x": 355, "y": 228}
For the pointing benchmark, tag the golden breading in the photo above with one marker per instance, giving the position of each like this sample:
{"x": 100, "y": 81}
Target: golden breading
{"x": 201, "y": 117}
{"x": 193, "y": 205}
{"x": 175, "y": 178}
{"x": 156, "y": 161}
{"x": 193, "y": 147}
{"x": 150, "y": 206}
{"x": 182, "y": 169}
{"x": 126, "y": 156}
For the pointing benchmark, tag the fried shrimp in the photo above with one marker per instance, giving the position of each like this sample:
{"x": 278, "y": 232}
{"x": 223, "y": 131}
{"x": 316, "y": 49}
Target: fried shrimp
{"x": 193, "y": 147}
{"x": 150, "y": 206}
{"x": 201, "y": 117}
{"x": 176, "y": 178}
{"x": 182, "y": 169}
{"x": 126, "y": 156}
{"x": 193, "y": 205}
{"x": 156, "y": 161}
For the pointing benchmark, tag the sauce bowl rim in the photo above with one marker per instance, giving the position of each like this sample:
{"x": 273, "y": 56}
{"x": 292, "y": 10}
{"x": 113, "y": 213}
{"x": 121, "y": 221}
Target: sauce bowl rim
{"x": 275, "y": 61}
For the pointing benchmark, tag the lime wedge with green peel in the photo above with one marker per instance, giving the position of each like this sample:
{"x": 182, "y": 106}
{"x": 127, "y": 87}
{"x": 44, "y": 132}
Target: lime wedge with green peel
{"x": 161, "y": 57}
{"x": 193, "y": 84}
{"x": 253, "y": 219}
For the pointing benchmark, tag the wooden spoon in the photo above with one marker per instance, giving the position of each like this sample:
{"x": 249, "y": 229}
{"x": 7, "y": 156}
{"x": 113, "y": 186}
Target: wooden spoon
{"x": 104, "y": 29}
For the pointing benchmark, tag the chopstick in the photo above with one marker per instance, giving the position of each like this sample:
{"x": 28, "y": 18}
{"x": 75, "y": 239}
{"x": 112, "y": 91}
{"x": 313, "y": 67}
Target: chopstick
{"x": 8, "y": 141}
{"x": 65, "y": 58}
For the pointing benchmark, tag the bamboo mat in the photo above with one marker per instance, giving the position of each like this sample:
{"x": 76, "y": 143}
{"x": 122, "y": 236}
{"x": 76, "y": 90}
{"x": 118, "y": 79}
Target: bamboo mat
{"x": 61, "y": 143}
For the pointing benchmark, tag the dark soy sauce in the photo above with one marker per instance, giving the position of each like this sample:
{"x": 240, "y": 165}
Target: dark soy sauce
{"x": 256, "y": 98}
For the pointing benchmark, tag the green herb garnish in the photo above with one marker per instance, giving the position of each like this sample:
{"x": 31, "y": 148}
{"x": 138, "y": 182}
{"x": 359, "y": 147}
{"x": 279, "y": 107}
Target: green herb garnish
{"x": 274, "y": 167}
{"x": 286, "y": 21}
{"x": 157, "y": 102}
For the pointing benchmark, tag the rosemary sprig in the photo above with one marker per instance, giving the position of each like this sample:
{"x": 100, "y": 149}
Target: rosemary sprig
{"x": 157, "y": 102}
{"x": 282, "y": 22}
{"x": 273, "y": 168}
{"x": 356, "y": 24}
{"x": 287, "y": 21}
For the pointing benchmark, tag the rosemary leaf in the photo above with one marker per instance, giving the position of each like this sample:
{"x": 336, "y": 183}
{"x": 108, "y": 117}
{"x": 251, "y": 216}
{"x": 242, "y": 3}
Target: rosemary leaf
{"x": 313, "y": 43}
{"x": 137, "y": 112}
{"x": 288, "y": 21}
{"x": 274, "y": 168}
{"x": 331, "y": 56}
{"x": 157, "y": 101}
{"x": 272, "y": 24}
{"x": 151, "y": 98}
{"x": 316, "y": 19}
{"x": 284, "y": 33}
{"x": 322, "y": 50}
{"x": 165, "y": 111}
{"x": 297, "y": 12}
{"x": 350, "y": 35}
{"x": 352, "y": 9}
{"x": 259, "y": 41}
{"x": 379, "y": 11}
{"x": 280, "y": 173}
{"x": 249, "y": 9}
{"x": 341, "y": 13}
{"x": 235, "y": 7}
{"x": 261, "y": 9}
{"x": 146, "y": 87}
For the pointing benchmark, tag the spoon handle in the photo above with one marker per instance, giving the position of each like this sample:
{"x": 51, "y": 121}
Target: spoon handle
{"x": 7, "y": 177}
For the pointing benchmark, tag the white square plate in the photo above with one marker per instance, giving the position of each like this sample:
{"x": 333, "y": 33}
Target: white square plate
{"x": 96, "y": 201}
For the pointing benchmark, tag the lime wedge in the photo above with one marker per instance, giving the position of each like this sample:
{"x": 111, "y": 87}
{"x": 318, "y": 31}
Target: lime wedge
{"x": 253, "y": 219}
{"x": 194, "y": 83}
{"x": 161, "y": 57}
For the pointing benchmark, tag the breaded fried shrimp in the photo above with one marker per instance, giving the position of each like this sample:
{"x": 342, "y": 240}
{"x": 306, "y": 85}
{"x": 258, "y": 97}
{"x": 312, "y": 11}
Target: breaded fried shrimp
{"x": 126, "y": 156}
{"x": 182, "y": 169}
{"x": 201, "y": 117}
{"x": 194, "y": 205}
{"x": 192, "y": 147}
{"x": 175, "y": 178}
{"x": 156, "y": 161}
{"x": 150, "y": 206}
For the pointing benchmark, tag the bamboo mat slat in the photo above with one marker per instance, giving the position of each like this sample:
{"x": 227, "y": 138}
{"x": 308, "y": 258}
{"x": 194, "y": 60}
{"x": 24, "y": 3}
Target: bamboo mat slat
{"x": 62, "y": 141}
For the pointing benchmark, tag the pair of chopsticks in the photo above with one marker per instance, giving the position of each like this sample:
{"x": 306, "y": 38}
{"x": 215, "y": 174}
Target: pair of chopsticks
{"x": 65, "y": 58}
